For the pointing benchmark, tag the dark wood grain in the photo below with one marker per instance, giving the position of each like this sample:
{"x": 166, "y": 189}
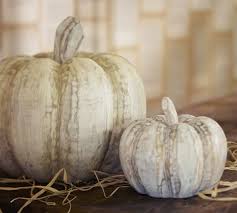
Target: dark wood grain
{"x": 223, "y": 110}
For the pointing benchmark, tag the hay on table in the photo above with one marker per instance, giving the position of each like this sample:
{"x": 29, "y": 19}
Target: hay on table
{"x": 224, "y": 186}
{"x": 45, "y": 192}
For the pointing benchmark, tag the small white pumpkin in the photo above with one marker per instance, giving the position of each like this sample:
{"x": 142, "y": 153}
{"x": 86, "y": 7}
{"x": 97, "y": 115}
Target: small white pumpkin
{"x": 171, "y": 156}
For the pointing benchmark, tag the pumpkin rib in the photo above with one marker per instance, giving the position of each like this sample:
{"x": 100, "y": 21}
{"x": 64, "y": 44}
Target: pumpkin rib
{"x": 137, "y": 134}
{"x": 15, "y": 167}
{"x": 119, "y": 83}
{"x": 85, "y": 74}
{"x": 33, "y": 108}
{"x": 168, "y": 161}
{"x": 160, "y": 147}
{"x": 54, "y": 143}
{"x": 218, "y": 146}
{"x": 73, "y": 75}
{"x": 71, "y": 82}
{"x": 172, "y": 158}
{"x": 192, "y": 137}
{"x": 151, "y": 183}
{"x": 129, "y": 70}
{"x": 116, "y": 79}
{"x": 203, "y": 131}
{"x": 56, "y": 152}
{"x": 126, "y": 149}
{"x": 110, "y": 135}
{"x": 137, "y": 140}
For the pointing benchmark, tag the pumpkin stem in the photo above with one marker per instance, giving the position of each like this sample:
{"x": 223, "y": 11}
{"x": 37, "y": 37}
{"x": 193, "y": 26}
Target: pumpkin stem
{"x": 69, "y": 35}
{"x": 169, "y": 110}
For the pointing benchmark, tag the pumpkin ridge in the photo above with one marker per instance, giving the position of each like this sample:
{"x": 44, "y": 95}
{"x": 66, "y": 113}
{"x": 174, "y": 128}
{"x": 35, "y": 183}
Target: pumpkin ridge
{"x": 110, "y": 135}
{"x": 64, "y": 79}
{"x": 135, "y": 130}
{"x": 187, "y": 132}
{"x": 105, "y": 64}
{"x": 50, "y": 157}
{"x": 13, "y": 66}
{"x": 159, "y": 149}
{"x": 138, "y": 133}
{"x": 209, "y": 123}
{"x": 195, "y": 191}
{"x": 176, "y": 183}
{"x": 81, "y": 71}
{"x": 119, "y": 86}
{"x": 56, "y": 155}
{"x": 46, "y": 156}
{"x": 77, "y": 89}
{"x": 204, "y": 133}
{"x": 167, "y": 163}
{"x": 170, "y": 169}
{"x": 138, "y": 139}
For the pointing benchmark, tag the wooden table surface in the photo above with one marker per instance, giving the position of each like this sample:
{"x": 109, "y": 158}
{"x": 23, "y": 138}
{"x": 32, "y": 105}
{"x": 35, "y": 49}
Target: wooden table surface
{"x": 223, "y": 110}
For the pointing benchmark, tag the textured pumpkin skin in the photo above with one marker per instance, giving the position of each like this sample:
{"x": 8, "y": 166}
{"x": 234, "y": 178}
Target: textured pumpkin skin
{"x": 56, "y": 116}
{"x": 173, "y": 161}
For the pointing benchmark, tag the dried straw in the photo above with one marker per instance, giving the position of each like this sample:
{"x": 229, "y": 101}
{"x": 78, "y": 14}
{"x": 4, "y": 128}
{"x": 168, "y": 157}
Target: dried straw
{"x": 224, "y": 186}
{"x": 44, "y": 193}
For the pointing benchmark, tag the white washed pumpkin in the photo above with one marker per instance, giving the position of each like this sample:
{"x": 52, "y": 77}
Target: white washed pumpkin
{"x": 171, "y": 156}
{"x": 65, "y": 109}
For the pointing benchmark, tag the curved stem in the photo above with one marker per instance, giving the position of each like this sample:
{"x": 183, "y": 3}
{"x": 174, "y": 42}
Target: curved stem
{"x": 69, "y": 35}
{"x": 169, "y": 111}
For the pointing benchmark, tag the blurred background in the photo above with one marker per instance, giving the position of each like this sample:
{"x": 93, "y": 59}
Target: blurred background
{"x": 186, "y": 49}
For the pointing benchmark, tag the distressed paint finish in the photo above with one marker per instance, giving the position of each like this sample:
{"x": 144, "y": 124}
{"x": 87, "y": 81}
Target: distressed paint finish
{"x": 66, "y": 112}
{"x": 173, "y": 156}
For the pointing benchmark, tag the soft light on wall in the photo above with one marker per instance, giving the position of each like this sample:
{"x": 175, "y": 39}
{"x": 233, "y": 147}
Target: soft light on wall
{"x": 182, "y": 48}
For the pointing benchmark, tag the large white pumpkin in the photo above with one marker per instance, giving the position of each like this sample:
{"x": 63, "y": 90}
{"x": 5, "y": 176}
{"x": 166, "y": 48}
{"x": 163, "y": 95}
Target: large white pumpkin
{"x": 171, "y": 156}
{"x": 65, "y": 109}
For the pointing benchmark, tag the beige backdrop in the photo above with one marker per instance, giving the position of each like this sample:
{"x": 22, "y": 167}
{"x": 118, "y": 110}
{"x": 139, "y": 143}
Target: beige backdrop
{"x": 185, "y": 49}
